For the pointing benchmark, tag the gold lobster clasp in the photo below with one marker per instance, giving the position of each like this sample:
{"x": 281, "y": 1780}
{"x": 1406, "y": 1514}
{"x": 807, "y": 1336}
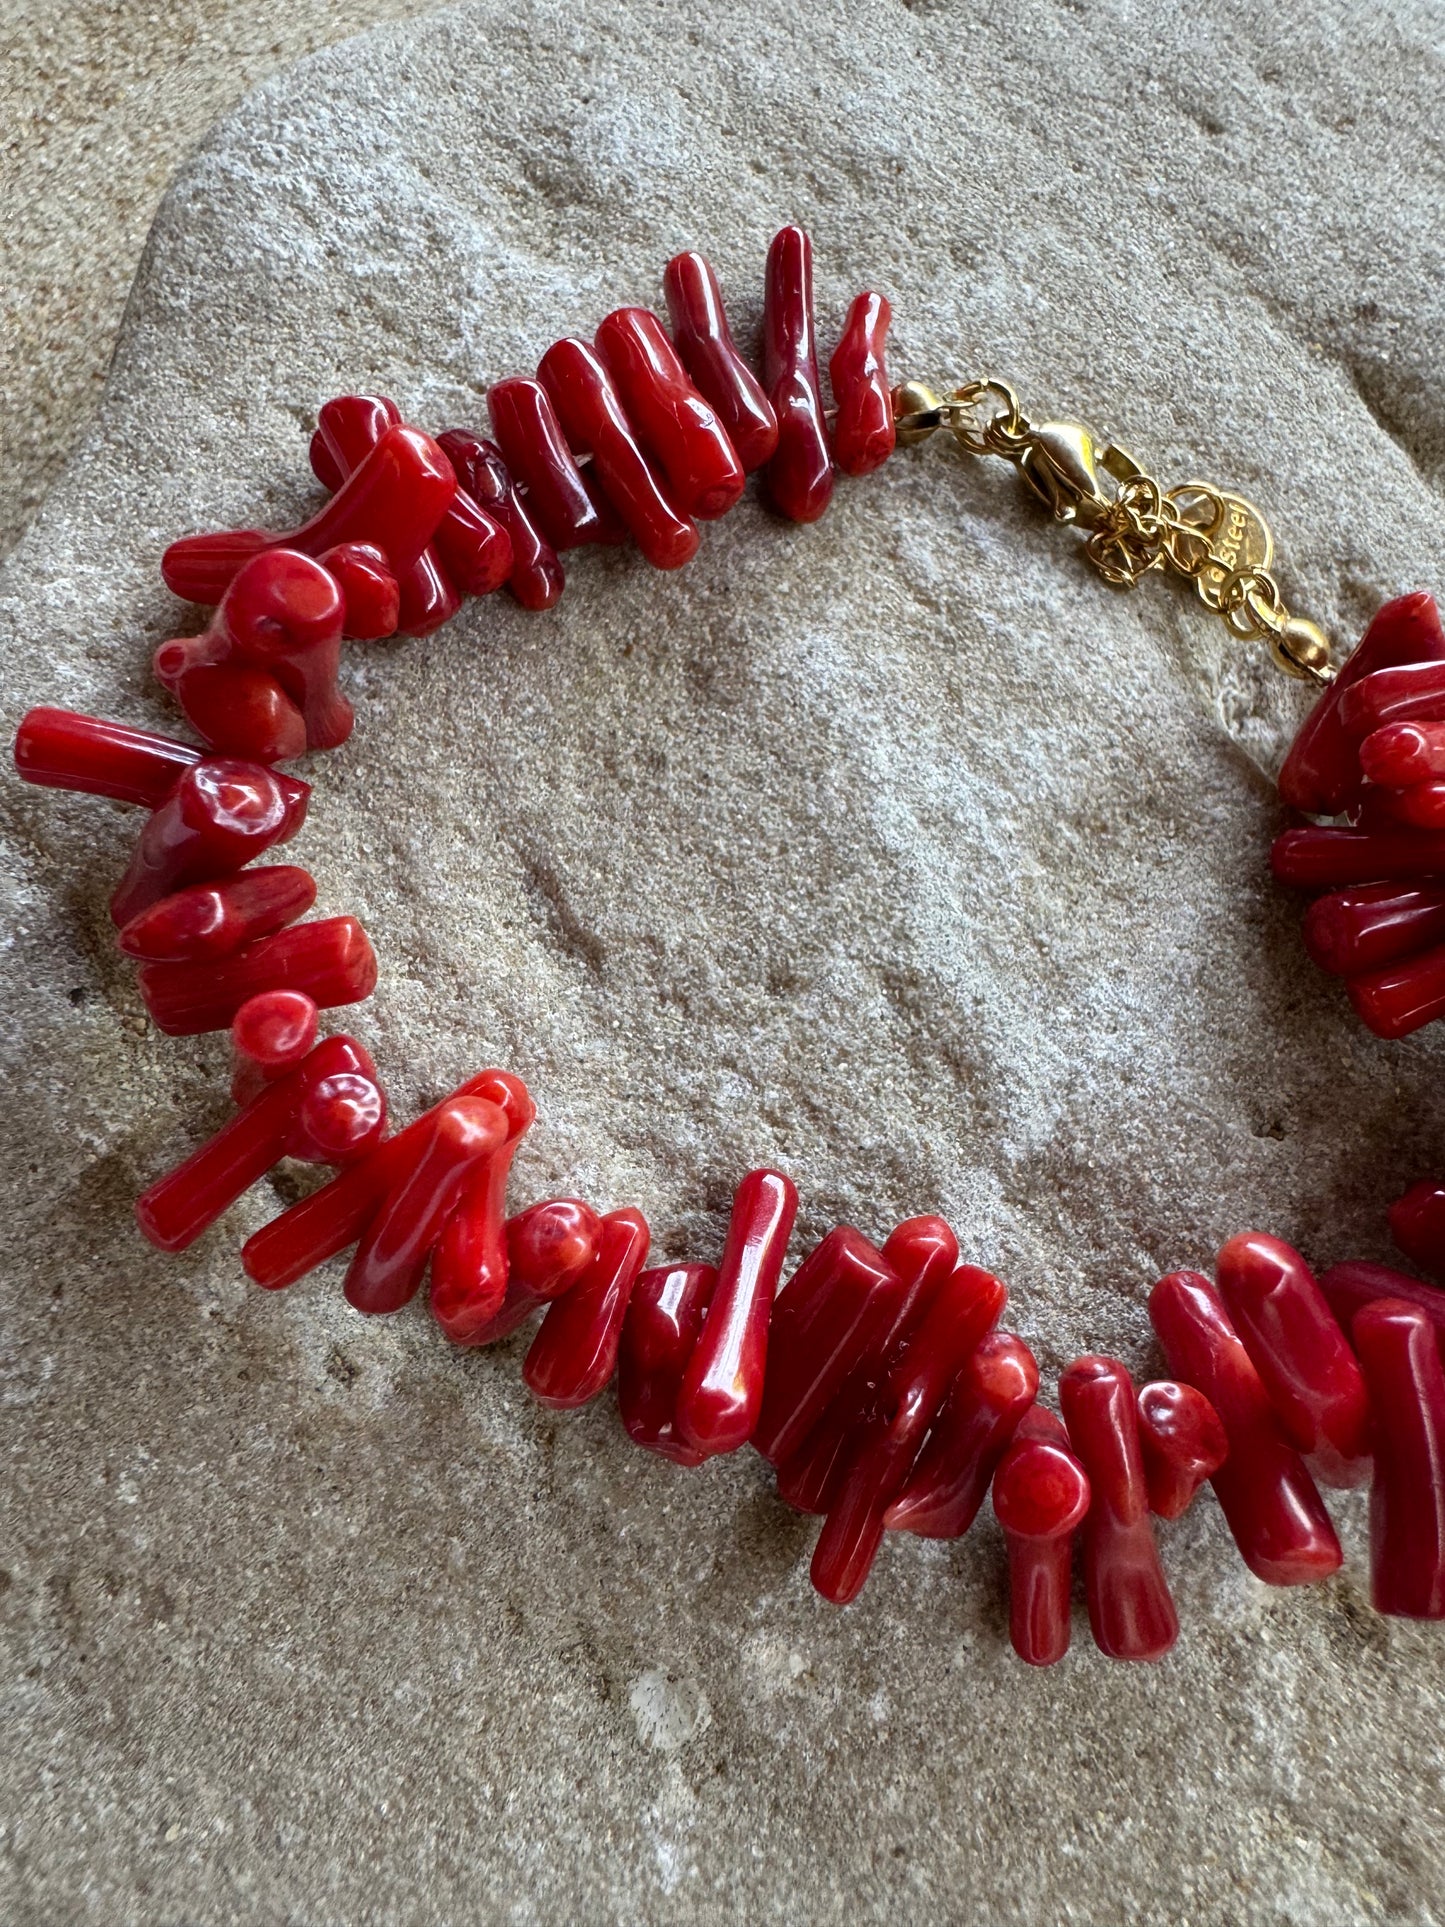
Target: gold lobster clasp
{"x": 1063, "y": 465}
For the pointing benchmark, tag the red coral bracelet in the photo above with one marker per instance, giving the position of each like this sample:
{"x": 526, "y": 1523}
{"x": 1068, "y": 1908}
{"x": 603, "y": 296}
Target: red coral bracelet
{"x": 879, "y": 1383}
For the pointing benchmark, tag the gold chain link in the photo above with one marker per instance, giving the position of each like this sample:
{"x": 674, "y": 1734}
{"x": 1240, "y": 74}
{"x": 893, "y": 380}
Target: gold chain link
{"x": 1132, "y": 525}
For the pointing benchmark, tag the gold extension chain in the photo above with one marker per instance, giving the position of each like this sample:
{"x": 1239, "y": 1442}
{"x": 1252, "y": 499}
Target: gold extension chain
{"x": 1217, "y": 540}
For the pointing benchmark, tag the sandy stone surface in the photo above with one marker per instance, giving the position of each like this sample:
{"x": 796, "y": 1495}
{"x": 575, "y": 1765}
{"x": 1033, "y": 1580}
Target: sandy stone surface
{"x": 894, "y": 851}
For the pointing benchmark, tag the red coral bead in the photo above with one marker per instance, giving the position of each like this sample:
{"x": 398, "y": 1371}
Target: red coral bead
{"x": 1268, "y": 1498}
{"x": 1040, "y": 1497}
{"x": 863, "y": 431}
{"x": 269, "y": 1033}
{"x": 221, "y": 814}
{"x": 1131, "y": 1612}
{"x": 593, "y": 420}
{"x": 1321, "y": 858}
{"x": 394, "y": 500}
{"x": 1321, "y": 774}
{"x": 336, "y": 1215}
{"x": 370, "y": 593}
{"x": 469, "y": 1267}
{"x": 721, "y": 1393}
{"x": 1400, "y": 997}
{"x": 1401, "y": 753}
{"x": 387, "y": 1266}
{"x": 261, "y": 680}
{"x": 536, "y": 579}
{"x": 834, "y": 1312}
{"x": 1421, "y": 806}
{"x": 1398, "y": 1349}
{"x": 1183, "y": 1441}
{"x": 1417, "y": 1224}
{"x": 1351, "y": 1286}
{"x": 210, "y": 920}
{"x": 991, "y": 1397}
{"x": 341, "y": 1118}
{"x": 675, "y": 426}
{"x": 64, "y": 750}
{"x": 550, "y": 1245}
{"x": 800, "y": 473}
{"x": 706, "y": 349}
{"x": 961, "y": 1310}
{"x": 534, "y": 448}
{"x": 178, "y": 1207}
{"x": 331, "y": 960}
{"x": 1312, "y": 1378}
{"x": 1359, "y": 930}
{"x": 1413, "y": 692}
{"x": 663, "y": 1323}
{"x": 575, "y": 1351}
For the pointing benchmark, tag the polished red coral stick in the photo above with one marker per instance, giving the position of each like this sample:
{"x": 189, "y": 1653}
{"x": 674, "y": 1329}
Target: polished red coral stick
{"x": 1312, "y": 1378}
{"x": 961, "y": 1309}
{"x": 342, "y": 1117}
{"x": 61, "y": 749}
{"x": 920, "y": 1253}
{"x": 1420, "y": 806}
{"x": 331, "y": 960}
{"x": 1041, "y": 1497}
{"x": 260, "y": 681}
{"x": 1321, "y": 774}
{"x": 176, "y": 1209}
{"x": 676, "y": 428}
{"x": 1401, "y": 753}
{"x": 663, "y": 1324}
{"x": 1400, "y": 997}
{"x": 536, "y": 579}
{"x": 549, "y": 1249}
{"x": 388, "y": 1264}
{"x": 1351, "y": 1286}
{"x": 863, "y": 430}
{"x": 1268, "y": 1498}
{"x": 334, "y": 1217}
{"x": 1183, "y": 1441}
{"x": 592, "y": 417}
{"x": 469, "y": 1267}
{"x": 575, "y": 1351}
{"x": 559, "y": 499}
{"x": 1417, "y": 1224}
{"x": 1401, "y": 1359}
{"x": 220, "y": 815}
{"x": 269, "y": 1033}
{"x": 1321, "y": 858}
{"x": 836, "y": 1310}
{"x": 721, "y": 1393}
{"x": 990, "y": 1397}
{"x": 393, "y": 501}
{"x": 1131, "y": 1612}
{"x": 1355, "y": 931}
{"x": 370, "y": 593}
{"x": 800, "y": 474}
{"x": 1413, "y": 692}
{"x": 210, "y": 920}
{"x": 706, "y": 349}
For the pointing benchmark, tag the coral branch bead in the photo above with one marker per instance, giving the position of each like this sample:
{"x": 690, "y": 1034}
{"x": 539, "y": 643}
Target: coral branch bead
{"x": 550, "y": 1245}
{"x": 663, "y": 1324}
{"x": 575, "y": 1351}
{"x": 535, "y": 578}
{"x": 863, "y": 431}
{"x": 1401, "y": 1360}
{"x": 800, "y": 473}
{"x": 1183, "y": 1441}
{"x": 61, "y": 749}
{"x": 331, "y": 960}
{"x": 1417, "y": 1224}
{"x": 721, "y": 1393}
{"x": 1401, "y": 753}
{"x": 469, "y": 1266}
{"x": 1268, "y": 1499}
{"x": 1040, "y": 1498}
{"x": 220, "y": 815}
{"x": 1131, "y": 1612}
{"x": 592, "y": 417}
{"x": 269, "y": 1033}
{"x": 1351, "y": 1286}
{"x": 206, "y": 921}
{"x": 706, "y": 349}
{"x": 535, "y": 449}
{"x": 677, "y": 429}
{"x": 990, "y": 1397}
{"x": 1304, "y": 1361}
{"x": 1353, "y": 932}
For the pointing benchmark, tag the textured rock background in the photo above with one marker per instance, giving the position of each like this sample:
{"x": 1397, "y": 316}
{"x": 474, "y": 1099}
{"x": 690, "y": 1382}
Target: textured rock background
{"x": 894, "y": 851}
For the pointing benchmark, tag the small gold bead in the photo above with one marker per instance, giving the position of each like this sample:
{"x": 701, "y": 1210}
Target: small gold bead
{"x": 1301, "y": 647}
{"x": 913, "y": 403}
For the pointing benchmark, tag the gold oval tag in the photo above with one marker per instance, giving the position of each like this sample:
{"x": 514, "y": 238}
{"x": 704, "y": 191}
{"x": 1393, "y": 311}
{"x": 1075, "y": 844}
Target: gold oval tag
{"x": 1237, "y": 534}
